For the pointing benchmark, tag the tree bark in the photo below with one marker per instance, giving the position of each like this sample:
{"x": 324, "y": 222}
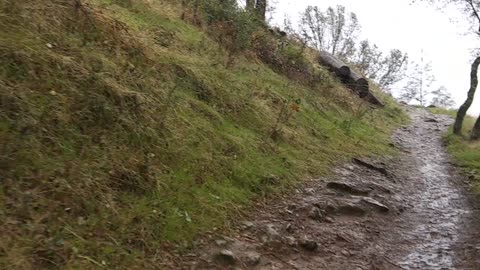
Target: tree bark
{"x": 350, "y": 78}
{"x": 462, "y": 111}
{"x": 334, "y": 64}
{"x": 261, "y": 8}
{"x": 476, "y": 130}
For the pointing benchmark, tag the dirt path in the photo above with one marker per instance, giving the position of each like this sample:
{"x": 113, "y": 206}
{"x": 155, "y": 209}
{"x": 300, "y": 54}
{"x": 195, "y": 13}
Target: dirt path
{"x": 410, "y": 212}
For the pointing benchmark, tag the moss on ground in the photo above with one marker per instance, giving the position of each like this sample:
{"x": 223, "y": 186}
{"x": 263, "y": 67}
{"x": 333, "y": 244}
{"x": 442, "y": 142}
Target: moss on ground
{"x": 122, "y": 133}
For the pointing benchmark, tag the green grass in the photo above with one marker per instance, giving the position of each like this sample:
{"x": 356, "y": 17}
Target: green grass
{"x": 465, "y": 152}
{"x": 122, "y": 133}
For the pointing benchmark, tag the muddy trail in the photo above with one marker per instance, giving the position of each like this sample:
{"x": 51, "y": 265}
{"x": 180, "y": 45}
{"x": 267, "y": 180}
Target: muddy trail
{"x": 412, "y": 211}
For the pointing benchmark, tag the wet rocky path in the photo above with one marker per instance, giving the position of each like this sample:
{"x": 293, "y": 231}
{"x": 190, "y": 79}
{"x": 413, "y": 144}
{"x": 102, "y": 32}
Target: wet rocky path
{"x": 412, "y": 211}
{"x": 436, "y": 228}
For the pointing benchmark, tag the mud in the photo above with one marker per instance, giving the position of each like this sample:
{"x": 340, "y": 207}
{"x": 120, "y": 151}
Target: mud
{"x": 413, "y": 211}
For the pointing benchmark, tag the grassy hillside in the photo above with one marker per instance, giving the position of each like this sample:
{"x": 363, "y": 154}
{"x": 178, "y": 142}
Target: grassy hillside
{"x": 465, "y": 152}
{"x": 125, "y": 130}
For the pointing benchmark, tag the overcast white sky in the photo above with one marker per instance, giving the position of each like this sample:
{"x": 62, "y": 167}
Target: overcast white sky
{"x": 410, "y": 28}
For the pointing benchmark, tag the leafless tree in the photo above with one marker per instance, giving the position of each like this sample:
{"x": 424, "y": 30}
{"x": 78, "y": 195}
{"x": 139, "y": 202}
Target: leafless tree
{"x": 368, "y": 59}
{"x": 418, "y": 85}
{"x": 386, "y": 70}
{"x": 393, "y": 69}
{"x": 471, "y": 8}
{"x": 332, "y": 30}
{"x": 442, "y": 98}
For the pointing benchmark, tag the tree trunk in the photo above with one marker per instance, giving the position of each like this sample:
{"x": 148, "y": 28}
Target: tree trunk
{"x": 462, "y": 111}
{"x": 476, "y": 130}
{"x": 350, "y": 78}
{"x": 261, "y": 8}
{"x": 334, "y": 64}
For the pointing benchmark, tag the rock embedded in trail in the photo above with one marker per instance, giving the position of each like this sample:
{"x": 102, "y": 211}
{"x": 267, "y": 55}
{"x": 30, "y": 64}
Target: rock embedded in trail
{"x": 370, "y": 166}
{"x": 376, "y": 205}
{"x": 431, "y": 120}
{"x": 247, "y": 225}
{"x": 220, "y": 242}
{"x": 309, "y": 191}
{"x": 381, "y": 188}
{"x": 350, "y": 209}
{"x": 251, "y": 258}
{"x": 349, "y": 188}
{"x": 290, "y": 240}
{"x": 317, "y": 214}
{"x": 308, "y": 244}
{"x": 226, "y": 257}
{"x": 270, "y": 230}
{"x": 329, "y": 220}
{"x": 328, "y": 205}
{"x": 289, "y": 228}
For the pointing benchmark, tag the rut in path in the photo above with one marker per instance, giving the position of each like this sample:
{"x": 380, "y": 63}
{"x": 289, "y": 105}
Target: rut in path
{"x": 407, "y": 212}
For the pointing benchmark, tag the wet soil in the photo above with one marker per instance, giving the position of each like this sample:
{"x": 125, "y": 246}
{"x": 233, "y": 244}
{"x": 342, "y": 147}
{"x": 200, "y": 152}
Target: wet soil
{"x": 412, "y": 211}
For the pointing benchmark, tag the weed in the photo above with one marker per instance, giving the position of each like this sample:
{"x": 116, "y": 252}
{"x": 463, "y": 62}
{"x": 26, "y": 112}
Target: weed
{"x": 288, "y": 108}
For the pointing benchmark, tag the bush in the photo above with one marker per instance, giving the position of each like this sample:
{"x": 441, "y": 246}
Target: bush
{"x": 284, "y": 56}
{"x": 230, "y": 25}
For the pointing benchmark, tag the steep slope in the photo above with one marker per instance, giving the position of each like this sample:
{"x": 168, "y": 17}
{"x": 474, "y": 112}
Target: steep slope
{"x": 122, "y": 132}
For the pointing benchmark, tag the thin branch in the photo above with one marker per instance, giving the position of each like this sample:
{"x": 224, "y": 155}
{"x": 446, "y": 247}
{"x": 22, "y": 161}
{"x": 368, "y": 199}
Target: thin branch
{"x": 475, "y": 13}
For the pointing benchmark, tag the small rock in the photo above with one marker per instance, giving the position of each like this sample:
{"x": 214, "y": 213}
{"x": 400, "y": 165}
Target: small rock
{"x": 351, "y": 208}
{"x": 316, "y": 214}
{"x": 380, "y": 188}
{"x": 345, "y": 253}
{"x": 247, "y": 225}
{"x": 220, "y": 242}
{"x": 226, "y": 256}
{"x": 327, "y": 205}
{"x": 291, "y": 241}
{"x": 289, "y": 228}
{"x": 371, "y": 166}
{"x": 377, "y": 205}
{"x": 252, "y": 258}
{"x": 292, "y": 206}
{"x": 329, "y": 220}
{"x": 431, "y": 120}
{"x": 309, "y": 191}
{"x": 343, "y": 238}
{"x": 271, "y": 232}
{"x": 308, "y": 244}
